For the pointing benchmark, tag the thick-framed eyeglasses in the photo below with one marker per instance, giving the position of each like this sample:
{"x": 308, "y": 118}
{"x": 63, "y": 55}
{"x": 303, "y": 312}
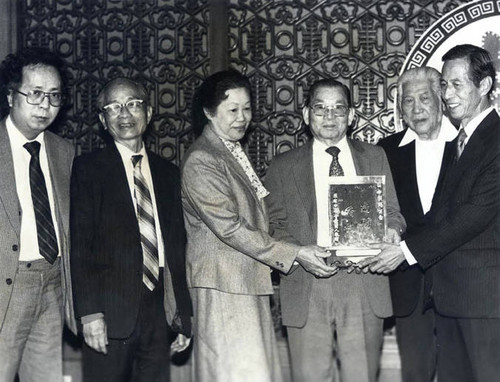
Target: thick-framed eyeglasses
{"x": 36, "y": 97}
{"x": 321, "y": 110}
{"x": 115, "y": 108}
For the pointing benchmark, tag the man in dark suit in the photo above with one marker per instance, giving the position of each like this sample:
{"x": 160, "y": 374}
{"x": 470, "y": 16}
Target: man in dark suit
{"x": 459, "y": 246}
{"x": 35, "y": 166}
{"x": 128, "y": 243}
{"x": 344, "y": 312}
{"x": 415, "y": 155}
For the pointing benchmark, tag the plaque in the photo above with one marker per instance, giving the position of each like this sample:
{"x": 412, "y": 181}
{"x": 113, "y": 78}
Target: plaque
{"x": 357, "y": 216}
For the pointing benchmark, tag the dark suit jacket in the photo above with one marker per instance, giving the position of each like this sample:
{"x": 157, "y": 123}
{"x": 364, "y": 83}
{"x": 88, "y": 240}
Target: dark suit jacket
{"x": 406, "y": 282}
{"x": 106, "y": 246}
{"x": 292, "y": 210}
{"x": 60, "y": 156}
{"x": 461, "y": 243}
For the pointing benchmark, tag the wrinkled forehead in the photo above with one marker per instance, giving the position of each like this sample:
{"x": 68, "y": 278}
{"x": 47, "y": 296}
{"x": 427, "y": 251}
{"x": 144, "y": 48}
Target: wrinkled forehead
{"x": 121, "y": 91}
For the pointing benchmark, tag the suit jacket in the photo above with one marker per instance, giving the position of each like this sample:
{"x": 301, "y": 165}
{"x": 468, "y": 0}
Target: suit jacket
{"x": 292, "y": 208}
{"x": 229, "y": 248}
{"x": 106, "y": 247}
{"x": 60, "y": 157}
{"x": 460, "y": 245}
{"x": 406, "y": 282}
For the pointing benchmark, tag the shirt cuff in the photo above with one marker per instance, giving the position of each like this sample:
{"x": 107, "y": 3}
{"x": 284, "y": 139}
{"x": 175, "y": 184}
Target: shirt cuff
{"x": 91, "y": 317}
{"x": 408, "y": 256}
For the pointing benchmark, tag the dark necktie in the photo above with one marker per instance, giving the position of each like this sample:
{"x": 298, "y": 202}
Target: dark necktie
{"x": 335, "y": 167}
{"x": 146, "y": 220}
{"x": 47, "y": 241}
{"x": 460, "y": 143}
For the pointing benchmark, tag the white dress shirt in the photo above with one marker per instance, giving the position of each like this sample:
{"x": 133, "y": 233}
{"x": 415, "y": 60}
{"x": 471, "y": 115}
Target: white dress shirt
{"x": 126, "y": 155}
{"x": 469, "y": 130}
{"x": 321, "y": 168}
{"x": 28, "y": 248}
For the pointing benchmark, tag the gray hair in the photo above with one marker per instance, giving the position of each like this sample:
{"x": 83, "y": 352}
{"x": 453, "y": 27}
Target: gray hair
{"x": 424, "y": 73}
{"x": 141, "y": 90}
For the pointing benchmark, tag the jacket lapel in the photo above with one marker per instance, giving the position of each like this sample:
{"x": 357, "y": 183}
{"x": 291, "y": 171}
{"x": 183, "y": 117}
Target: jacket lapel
{"x": 407, "y": 157}
{"x": 8, "y": 192}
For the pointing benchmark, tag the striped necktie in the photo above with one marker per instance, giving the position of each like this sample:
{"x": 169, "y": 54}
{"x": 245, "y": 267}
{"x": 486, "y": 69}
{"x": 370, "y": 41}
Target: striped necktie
{"x": 47, "y": 240}
{"x": 335, "y": 167}
{"x": 146, "y": 220}
{"x": 462, "y": 135}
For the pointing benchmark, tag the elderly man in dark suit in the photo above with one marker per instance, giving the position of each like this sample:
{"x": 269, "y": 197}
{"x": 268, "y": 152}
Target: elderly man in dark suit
{"x": 35, "y": 168}
{"x": 459, "y": 246}
{"x": 344, "y": 312}
{"x": 415, "y": 155}
{"x": 128, "y": 244}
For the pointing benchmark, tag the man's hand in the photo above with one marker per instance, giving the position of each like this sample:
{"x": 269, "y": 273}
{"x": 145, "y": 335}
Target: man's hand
{"x": 311, "y": 258}
{"x": 386, "y": 261}
{"x": 181, "y": 343}
{"x": 95, "y": 334}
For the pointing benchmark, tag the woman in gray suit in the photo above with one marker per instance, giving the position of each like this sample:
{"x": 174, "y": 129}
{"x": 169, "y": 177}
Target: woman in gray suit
{"x": 229, "y": 251}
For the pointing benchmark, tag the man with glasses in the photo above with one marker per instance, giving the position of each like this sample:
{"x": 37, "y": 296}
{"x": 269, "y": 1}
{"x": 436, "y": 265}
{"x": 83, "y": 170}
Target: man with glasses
{"x": 334, "y": 325}
{"x": 35, "y": 166}
{"x": 128, "y": 238}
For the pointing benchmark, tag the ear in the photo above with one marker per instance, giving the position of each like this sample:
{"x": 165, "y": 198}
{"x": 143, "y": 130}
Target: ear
{"x": 149, "y": 114}
{"x": 208, "y": 114}
{"x": 103, "y": 121}
{"x": 485, "y": 85}
{"x": 305, "y": 114}
{"x": 10, "y": 96}
{"x": 350, "y": 116}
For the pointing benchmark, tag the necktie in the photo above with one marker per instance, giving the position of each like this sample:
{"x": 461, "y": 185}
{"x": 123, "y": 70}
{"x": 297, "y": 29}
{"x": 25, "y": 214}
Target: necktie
{"x": 460, "y": 143}
{"x": 335, "y": 167}
{"x": 146, "y": 220}
{"x": 46, "y": 235}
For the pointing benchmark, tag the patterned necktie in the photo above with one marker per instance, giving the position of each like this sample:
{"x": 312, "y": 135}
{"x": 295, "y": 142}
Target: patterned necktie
{"x": 335, "y": 167}
{"x": 146, "y": 220}
{"x": 47, "y": 240}
{"x": 460, "y": 143}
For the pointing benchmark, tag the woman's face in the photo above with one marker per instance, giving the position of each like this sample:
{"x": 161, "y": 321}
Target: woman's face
{"x": 232, "y": 117}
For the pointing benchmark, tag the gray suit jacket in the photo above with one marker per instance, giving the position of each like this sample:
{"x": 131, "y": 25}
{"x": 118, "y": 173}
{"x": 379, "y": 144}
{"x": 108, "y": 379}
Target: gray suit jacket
{"x": 292, "y": 209}
{"x": 228, "y": 247}
{"x": 60, "y": 156}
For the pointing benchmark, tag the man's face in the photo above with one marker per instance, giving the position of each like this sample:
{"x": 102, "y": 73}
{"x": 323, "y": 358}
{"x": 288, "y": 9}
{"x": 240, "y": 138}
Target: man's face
{"x": 127, "y": 124}
{"x": 329, "y": 128}
{"x": 461, "y": 96}
{"x": 421, "y": 109}
{"x": 31, "y": 120}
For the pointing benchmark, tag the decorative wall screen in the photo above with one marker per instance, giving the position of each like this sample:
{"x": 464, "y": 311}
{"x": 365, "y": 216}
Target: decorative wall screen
{"x": 281, "y": 45}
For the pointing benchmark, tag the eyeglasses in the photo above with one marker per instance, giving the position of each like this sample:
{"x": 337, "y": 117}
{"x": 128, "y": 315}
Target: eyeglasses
{"x": 321, "y": 110}
{"x": 36, "y": 97}
{"x": 114, "y": 109}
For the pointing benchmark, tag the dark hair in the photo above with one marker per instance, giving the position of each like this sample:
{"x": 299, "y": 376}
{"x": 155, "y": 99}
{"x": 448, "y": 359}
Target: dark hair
{"x": 141, "y": 90}
{"x": 212, "y": 92}
{"x": 481, "y": 64}
{"x": 11, "y": 70}
{"x": 327, "y": 83}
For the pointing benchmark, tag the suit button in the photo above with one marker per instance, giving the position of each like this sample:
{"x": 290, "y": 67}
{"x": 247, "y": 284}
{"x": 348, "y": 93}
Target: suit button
{"x": 8, "y": 281}
{"x": 28, "y": 265}
{"x": 15, "y": 247}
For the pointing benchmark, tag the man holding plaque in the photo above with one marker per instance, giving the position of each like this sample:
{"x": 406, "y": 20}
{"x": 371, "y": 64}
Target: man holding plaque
{"x": 459, "y": 246}
{"x": 415, "y": 155}
{"x": 341, "y": 315}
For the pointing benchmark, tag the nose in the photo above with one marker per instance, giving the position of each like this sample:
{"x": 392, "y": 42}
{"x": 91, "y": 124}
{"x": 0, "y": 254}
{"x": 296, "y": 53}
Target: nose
{"x": 124, "y": 111}
{"x": 329, "y": 113}
{"x": 241, "y": 115}
{"x": 447, "y": 92}
{"x": 417, "y": 107}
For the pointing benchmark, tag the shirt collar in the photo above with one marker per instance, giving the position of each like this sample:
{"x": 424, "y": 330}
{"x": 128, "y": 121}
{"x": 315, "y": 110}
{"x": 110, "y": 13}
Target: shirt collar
{"x": 127, "y": 154}
{"x": 474, "y": 122}
{"x": 447, "y": 133}
{"x": 343, "y": 145}
{"x": 17, "y": 139}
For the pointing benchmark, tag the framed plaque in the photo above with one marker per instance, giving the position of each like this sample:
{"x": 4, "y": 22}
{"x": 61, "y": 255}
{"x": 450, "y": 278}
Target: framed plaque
{"x": 357, "y": 215}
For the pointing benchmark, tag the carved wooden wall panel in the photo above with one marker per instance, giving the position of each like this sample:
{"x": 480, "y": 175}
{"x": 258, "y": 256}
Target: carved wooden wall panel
{"x": 281, "y": 45}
